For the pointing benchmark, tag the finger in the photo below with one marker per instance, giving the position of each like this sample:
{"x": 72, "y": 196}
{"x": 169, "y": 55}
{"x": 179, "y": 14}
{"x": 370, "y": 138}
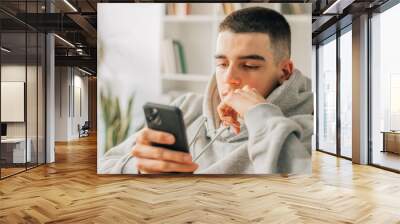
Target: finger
{"x": 149, "y": 135}
{"x": 223, "y": 110}
{"x": 231, "y": 115}
{"x": 236, "y": 130}
{"x": 140, "y": 138}
{"x": 234, "y": 99}
{"x": 144, "y": 171}
{"x": 255, "y": 93}
{"x": 231, "y": 121}
{"x": 245, "y": 91}
{"x": 231, "y": 95}
{"x": 246, "y": 88}
{"x": 152, "y": 152}
{"x": 235, "y": 126}
{"x": 234, "y": 123}
{"x": 228, "y": 115}
{"x": 164, "y": 166}
{"x": 249, "y": 89}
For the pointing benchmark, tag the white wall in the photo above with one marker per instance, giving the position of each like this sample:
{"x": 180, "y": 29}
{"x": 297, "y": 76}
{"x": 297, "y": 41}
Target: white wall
{"x": 80, "y": 84}
{"x": 301, "y": 42}
{"x": 68, "y": 82}
{"x": 314, "y": 89}
{"x": 61, "y": 103}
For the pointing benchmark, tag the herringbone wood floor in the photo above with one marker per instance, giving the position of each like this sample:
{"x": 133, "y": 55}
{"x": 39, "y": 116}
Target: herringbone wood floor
{"x": 70, "y": 191}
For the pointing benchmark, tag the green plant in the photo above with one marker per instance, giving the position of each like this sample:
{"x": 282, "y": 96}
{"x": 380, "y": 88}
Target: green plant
{"x": 117, "y": 123}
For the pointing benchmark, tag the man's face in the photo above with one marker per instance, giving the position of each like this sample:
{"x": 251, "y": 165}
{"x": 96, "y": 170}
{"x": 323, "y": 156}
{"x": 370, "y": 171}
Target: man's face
{"x": 245, "y": 59}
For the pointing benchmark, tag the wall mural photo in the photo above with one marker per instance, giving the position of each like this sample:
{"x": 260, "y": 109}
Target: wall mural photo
{"x": 216, "y": 88}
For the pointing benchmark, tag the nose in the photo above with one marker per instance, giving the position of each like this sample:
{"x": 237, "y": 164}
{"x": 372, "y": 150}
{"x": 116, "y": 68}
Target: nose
{"x": 232, "y": 77}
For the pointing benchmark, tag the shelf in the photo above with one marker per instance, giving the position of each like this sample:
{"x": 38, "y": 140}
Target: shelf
{"x": 186, "y": 77}
{"x": 189, "y": 18}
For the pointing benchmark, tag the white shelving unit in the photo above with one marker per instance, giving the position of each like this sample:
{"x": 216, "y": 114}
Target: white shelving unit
{"x": 197, "y": 33}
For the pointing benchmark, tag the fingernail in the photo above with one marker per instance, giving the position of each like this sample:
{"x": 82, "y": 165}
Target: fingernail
{"x": 171, "y": 139}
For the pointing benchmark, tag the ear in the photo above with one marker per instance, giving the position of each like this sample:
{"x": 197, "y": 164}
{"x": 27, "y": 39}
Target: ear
{"x": 286, "y": 70}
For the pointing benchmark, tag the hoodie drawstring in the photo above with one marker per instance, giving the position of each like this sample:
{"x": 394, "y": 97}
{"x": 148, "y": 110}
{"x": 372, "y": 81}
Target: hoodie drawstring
{"x": 205, "y": 148}
{"x": 203, "y": 120}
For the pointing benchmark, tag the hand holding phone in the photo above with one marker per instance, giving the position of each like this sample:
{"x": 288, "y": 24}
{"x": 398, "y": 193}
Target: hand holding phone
{"x": 158, "y": 151}
{"x": 167, "y": 119}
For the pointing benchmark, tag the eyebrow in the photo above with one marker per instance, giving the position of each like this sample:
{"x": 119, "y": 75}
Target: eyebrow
{"x": 251, "y": 56}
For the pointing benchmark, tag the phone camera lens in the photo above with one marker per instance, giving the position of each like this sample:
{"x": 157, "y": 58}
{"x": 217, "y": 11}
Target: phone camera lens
{"x": 154, "y": 116}
{"x": 153, "y": 113}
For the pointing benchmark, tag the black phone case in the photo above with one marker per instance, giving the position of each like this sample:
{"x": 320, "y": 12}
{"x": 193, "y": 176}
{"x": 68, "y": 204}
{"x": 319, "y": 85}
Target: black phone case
{"x": 171, "y": 121}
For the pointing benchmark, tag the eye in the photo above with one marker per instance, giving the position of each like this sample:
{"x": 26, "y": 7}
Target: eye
{"x": 251, "y": 67}
{"x": 222, "y": 64}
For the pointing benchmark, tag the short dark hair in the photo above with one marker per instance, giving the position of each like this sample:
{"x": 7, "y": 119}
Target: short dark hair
{"x": 261, "y": 20}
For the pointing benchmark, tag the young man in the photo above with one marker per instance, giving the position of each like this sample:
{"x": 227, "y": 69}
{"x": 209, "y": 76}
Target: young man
{"x": 256, "y": 92}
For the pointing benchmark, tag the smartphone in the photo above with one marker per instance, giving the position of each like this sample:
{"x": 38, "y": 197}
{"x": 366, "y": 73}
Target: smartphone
{"x": 167, "y": 119}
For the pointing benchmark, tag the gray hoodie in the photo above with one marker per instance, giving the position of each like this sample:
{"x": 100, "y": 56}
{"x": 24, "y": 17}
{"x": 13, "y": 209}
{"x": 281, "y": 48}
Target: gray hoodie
{"x": 275, "y": 137}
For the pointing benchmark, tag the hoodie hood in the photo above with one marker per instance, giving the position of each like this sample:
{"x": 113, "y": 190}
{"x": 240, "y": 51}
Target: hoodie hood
{"x": 293, "y": 97}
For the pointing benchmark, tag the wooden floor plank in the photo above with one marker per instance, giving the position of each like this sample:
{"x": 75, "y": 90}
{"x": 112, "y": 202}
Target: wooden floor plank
{"x": 70, "y": 191}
